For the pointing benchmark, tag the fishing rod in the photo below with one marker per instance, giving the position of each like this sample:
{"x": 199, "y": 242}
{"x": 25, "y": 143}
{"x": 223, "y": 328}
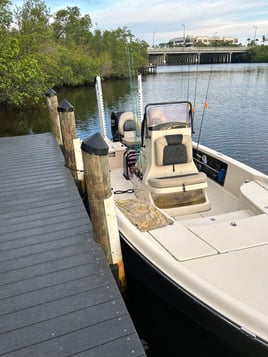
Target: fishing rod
{"x": 204, "y": 107}
{"x": 131, "y": 71}
{"x": 195, "y": 87}
{"x": 135, "y": 107}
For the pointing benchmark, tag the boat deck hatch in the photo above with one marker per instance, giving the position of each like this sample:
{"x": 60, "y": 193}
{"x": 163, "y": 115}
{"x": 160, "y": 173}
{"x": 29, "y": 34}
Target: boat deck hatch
{"x": 181, "y": 243}
{"x": 234, "y": 235}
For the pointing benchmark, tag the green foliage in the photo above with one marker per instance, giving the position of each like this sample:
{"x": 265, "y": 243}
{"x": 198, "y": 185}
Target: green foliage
{"x": 5, "y": 15}
{"x": 258, "y": 54}
{"x": 41, "y": 51}
{"x": 69, "y": 26}
{"x": 74, "y": 67}
{"x": 22, "y": 82}
{"x": 32, "y": 21}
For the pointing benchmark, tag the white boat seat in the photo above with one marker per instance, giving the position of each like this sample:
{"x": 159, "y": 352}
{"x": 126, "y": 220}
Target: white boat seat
{"x": 179, "y": 180}
{"x": 254, "y": 196}
{"x": 176, "y": 151}
{"x": 173, "y": 149}
{"x": 128, "y": 126}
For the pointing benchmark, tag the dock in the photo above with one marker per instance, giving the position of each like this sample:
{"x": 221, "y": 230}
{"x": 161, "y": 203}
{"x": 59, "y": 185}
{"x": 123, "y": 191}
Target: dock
{"x": 58, "y": 296}
{"x": 151, "y": 69}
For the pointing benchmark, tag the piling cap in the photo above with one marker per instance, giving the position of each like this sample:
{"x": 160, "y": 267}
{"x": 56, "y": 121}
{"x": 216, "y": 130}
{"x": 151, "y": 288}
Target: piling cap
{"x": 65, "y": 106}
{"x": 50, "y": 93}
{"x": 95, "y": 144}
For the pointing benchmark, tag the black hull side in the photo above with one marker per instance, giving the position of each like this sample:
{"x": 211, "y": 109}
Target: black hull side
{"x": 182, "y": 301}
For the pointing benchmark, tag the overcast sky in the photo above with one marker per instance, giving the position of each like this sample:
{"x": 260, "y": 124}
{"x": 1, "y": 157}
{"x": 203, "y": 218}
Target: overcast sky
{"x": 162, "y": 20}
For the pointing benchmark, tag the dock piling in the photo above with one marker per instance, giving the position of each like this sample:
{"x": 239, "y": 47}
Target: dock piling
{"x": 52, "y": 102}
{"x": 101, "y": 202}
{"x": 68, "y": 131}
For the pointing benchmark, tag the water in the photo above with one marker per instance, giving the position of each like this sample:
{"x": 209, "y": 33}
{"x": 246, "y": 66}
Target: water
{"x": 236, "y": 123}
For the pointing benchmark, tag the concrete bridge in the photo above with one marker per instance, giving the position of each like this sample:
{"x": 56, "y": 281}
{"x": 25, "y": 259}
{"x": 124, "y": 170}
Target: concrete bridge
{"x": 192, "y": 55}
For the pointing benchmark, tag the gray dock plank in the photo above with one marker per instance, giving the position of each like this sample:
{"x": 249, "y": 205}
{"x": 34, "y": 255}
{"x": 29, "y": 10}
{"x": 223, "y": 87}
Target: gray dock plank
{"x": 57, "y": 293}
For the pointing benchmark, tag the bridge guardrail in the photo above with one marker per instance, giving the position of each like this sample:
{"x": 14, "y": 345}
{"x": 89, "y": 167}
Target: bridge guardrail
{"x": 159, "y": 50}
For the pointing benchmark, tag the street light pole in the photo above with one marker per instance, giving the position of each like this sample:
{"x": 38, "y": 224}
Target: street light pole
{"x": 154, "y": 37}
{"x": 183, "y": 34}
{"x": 255, "y": 27}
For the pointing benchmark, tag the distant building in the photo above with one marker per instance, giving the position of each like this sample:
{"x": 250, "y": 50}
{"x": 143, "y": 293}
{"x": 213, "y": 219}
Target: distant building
{"x": 180, "y": 41}
{"x": 189, "y": 41}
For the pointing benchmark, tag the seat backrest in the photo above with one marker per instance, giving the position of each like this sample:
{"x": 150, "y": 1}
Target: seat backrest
{"x": 128, "y": 122}
{"x": 173, "y": 149}
{"x": 129, "y": 125}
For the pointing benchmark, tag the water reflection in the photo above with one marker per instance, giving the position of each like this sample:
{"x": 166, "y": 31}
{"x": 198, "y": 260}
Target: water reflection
{"x": 24, "y": 123}
{"x": 235, "y": 122}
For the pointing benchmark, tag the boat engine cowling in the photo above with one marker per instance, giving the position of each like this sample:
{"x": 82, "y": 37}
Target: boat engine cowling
{"x": 115, "y": 116}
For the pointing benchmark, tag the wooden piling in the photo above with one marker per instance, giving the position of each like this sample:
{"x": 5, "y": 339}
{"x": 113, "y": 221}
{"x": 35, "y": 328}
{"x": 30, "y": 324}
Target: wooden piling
{"x": 68, "y": 131}
{"x": 101, "y": 202}
{"x": 52, "y": 102}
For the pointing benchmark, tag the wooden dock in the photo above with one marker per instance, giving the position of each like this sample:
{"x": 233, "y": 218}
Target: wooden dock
{"x": 57, "y": 294}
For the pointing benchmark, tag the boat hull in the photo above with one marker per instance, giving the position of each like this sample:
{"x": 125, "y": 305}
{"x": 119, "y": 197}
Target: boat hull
{"x": 179, "y": 299}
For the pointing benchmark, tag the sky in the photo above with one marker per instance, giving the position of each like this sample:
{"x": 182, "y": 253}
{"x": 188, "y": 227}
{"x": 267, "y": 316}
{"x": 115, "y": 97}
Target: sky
{"x": 158, "y": 21}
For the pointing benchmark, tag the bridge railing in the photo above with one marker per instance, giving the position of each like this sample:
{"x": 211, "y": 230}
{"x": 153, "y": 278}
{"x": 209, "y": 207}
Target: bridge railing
{"x": 164, "y": 50}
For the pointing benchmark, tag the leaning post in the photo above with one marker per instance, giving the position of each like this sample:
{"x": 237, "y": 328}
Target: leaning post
{"x": 68, "y": 131}
{"x": 52, "y": 102}
{"x": 101, "y": 202}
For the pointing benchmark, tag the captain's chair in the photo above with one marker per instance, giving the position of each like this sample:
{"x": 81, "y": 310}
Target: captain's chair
{"x": 129, "y": 129}
{"x": 174, "y": 182}
{"x": 175, "y": 152}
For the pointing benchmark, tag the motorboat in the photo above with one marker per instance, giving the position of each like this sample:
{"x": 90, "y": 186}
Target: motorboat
{"x": 193, "y": 222}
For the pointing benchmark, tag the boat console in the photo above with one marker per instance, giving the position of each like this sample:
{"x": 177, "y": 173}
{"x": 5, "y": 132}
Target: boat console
{"x": 165, "y": 173}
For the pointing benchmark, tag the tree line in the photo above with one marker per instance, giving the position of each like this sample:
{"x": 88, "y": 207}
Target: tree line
{"x": 257, "y": 54}
{"x": 39, "y": 50}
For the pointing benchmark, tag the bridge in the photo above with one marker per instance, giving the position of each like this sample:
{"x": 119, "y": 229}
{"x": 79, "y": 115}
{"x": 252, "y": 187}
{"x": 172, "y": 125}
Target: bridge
{"x": 192, "y": 55}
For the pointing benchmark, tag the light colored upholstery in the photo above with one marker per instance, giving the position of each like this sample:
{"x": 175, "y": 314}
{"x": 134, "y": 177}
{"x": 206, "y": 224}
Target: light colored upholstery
{"x": 128, "y": 125}
{"x": 179, "y": 181}
{"x": 162, "y": 142}
{"x": 176, "y": 151}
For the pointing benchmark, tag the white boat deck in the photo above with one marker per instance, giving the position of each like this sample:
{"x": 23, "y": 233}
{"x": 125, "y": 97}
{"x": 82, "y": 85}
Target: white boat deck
{"x": 221, "y": 201}
{"x": 224, "y": 265}
{"x": 222, "y": 205}
{"x": 235, "y": 226}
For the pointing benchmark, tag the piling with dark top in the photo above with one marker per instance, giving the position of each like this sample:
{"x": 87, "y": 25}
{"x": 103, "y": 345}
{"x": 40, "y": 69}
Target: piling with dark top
{"x": 68, "y": 132}
{"x": 101, "y": 202}
{"x": 52, "y": 102}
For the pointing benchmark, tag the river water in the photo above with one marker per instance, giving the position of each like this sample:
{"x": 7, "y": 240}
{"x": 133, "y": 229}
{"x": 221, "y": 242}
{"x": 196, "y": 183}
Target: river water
{"x": 235, "y": 123}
